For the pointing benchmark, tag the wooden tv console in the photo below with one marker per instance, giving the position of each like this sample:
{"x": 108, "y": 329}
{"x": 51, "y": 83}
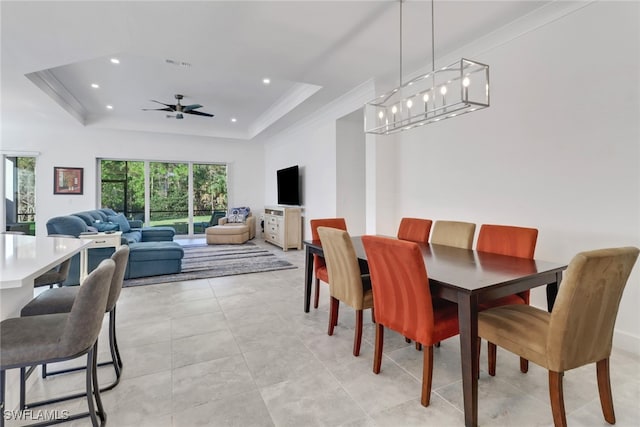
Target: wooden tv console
{"x": 283, "y": 226}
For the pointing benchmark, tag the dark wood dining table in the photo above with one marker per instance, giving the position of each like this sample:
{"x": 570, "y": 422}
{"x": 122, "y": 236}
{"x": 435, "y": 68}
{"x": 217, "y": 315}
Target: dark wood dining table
{"x": 468, "y": 278}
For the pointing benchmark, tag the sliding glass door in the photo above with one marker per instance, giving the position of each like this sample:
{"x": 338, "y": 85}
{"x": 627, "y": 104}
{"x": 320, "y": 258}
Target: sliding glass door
{"x": 169, "y": 191}
{"x": 20, "y": 194}
{"x": 181, "y": 195}
{"x": 209, "y": 195}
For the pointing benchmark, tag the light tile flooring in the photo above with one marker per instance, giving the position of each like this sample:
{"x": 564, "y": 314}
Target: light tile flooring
{"x": 240, "y": 351}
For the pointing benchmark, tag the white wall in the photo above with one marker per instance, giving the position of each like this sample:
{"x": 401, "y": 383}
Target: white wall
{"x": 559, "y": 148}
{"x": 311, "y": 144}
{"x": 72, "y": 145}
{"x": 350, "y": 171}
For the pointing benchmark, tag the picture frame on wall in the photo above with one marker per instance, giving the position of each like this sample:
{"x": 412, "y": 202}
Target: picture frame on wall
{"x": 67, "y": 180}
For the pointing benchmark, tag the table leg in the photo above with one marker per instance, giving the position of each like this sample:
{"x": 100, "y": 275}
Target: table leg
{"x": 552, "y": 291}
{"x": 84, "y": 265}
{"x": 308, "y": 277}
{"x": 468, "y": 320}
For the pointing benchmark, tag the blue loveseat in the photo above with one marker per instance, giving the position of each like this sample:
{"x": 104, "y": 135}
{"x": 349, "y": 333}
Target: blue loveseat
{"x": 152, "y": 249}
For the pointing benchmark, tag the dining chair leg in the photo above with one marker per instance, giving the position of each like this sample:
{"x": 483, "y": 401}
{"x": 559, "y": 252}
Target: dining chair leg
{"x": 317, "y": 294}
{"x": 524, "y": 365}
{"x": 418, "y": 346}
{"x": 407, "y": 340}
{"x": 491, "y": 358}
{"x": 373, "y": 315}
{"x": 427, "y": 374}
{"x": 357, "y": 339}
{"x": 557, "y": 399}
{"x": 377, "y": 354}
{"x": 333, "y": 314}
{"x": 335, "y": 318}
{"x": 604, "y": 388}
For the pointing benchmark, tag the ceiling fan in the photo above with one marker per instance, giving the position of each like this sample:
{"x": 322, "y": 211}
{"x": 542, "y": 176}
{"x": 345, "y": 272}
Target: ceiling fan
{"x": 179, "y": 109}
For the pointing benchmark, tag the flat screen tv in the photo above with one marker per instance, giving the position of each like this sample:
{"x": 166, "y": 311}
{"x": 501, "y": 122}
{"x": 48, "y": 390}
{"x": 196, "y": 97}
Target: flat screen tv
{"x": 289, "y": 186}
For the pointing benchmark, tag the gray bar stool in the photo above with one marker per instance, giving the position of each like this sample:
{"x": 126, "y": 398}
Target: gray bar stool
{"x": 57, "y": 275}
{"x": 60, "y": 300}
{"x": 28, "y": 341}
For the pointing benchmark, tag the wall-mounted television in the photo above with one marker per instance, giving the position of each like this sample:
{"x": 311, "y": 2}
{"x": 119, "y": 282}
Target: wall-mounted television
{"x": 289, "y": 186}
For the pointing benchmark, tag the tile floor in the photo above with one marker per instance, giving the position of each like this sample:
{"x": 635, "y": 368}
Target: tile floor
{"x": 240, "y": 351}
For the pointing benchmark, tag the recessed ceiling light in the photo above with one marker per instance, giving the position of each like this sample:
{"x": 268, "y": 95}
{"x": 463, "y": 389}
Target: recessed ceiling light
{"x": 233, "y": 119}
{"x": 266, "y": 80}
{"x": 115, "y": 61}
{"x": 95, "y": 85}
{"x": 109, "y": 107}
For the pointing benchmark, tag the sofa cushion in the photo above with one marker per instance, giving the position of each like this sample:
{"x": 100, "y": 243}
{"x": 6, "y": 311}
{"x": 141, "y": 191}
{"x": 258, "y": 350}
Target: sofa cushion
{"x": 69, "y": 225}
{"x": 133, "y": 236}
{"x": 155, "y": 251}
{"x": 121, "y": 221}
{"x": 86, "y": 217}
{"x": 158, "y": 234}
{"x": 98, "y": 216}
{"x": 108, "y": 211}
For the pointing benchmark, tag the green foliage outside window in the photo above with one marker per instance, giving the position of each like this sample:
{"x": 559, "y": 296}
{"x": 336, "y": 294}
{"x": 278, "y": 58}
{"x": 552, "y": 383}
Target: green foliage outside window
{"x": 123, "y": 189}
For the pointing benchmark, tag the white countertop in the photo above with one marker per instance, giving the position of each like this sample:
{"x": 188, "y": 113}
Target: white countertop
{"x": 23, "y": 258}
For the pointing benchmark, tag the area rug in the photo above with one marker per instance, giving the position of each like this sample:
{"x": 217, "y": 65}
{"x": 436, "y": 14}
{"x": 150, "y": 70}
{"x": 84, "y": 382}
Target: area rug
{"x": 205, "y": 261}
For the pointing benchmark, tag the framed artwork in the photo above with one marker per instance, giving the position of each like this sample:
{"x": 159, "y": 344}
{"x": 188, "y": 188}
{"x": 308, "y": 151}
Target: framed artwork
{"x": 67, "y": 180}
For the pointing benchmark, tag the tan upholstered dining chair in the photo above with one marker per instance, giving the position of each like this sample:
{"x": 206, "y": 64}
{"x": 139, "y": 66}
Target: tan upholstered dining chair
{"x": 346, "y": 282}
{"x": 319, "y": 264}
{"x": 578, "y": 331}
{"x": 453, "y": 233}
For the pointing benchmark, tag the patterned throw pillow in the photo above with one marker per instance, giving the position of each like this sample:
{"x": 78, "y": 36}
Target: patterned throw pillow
{"x": 238, "y": 215}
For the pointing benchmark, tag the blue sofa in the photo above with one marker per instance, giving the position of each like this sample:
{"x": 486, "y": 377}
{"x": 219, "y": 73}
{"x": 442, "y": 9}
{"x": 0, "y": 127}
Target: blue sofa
{"x": 152, "y": 249}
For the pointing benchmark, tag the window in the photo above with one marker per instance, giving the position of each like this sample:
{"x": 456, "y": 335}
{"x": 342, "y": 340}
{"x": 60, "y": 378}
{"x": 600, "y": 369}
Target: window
{"x": 20, "y": 194}
{"x": 181, "y": 195}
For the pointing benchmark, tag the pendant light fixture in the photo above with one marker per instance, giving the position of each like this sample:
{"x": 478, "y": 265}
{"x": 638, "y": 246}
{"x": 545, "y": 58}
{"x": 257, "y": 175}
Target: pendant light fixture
{"x": 459, "y": 88}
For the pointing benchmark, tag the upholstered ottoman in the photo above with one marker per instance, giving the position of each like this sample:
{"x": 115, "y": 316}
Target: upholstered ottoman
{"x": 227, "y": 234}
{"x": 153, "y": 259}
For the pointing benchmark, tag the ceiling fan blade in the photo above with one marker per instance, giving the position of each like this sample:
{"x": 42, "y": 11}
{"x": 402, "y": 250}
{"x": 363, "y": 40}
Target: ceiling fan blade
{"x": 198, "y": 113}
{"x": 157, "y": 109}
{"x": 172, "y": 106}
{"x": 191, "y": 107}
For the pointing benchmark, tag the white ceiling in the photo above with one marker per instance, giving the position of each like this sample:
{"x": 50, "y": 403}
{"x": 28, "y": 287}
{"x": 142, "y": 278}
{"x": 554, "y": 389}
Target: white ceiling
{"x": 313, "y": 52}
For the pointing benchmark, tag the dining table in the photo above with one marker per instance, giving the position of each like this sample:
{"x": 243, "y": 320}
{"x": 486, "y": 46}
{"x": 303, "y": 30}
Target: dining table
{"x": 468, "y": 278}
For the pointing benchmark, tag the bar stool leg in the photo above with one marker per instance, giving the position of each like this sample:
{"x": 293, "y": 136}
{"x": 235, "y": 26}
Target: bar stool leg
{"x": 2, "y": 383}
{"x": 96, "y": 387}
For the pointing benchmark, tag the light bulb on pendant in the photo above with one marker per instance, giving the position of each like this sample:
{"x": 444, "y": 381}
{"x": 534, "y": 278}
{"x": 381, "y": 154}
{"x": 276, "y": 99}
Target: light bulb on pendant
{"x": 443, "y": 90}
{"x": 465, "y": 88}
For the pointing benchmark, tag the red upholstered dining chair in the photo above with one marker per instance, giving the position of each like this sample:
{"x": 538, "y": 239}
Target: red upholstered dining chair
{"x": 402, "y": 301}
{"x": 513, "y": 241}
{"x": 346, "y": 282}
{"x": 415, "y": 229}
{"x": 319, "y": 265}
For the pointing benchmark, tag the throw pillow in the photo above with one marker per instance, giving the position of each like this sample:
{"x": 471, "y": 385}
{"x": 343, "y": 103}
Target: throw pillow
{"x": 106, "y": 226}
{"x": 236, "y": 218}
{"x": 121, "y": 221}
